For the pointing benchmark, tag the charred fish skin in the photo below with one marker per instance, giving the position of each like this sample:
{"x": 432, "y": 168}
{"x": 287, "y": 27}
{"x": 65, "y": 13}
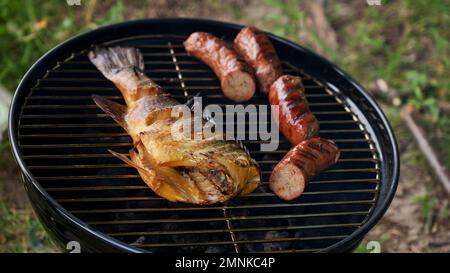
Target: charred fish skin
{"x": 199, "y": 171}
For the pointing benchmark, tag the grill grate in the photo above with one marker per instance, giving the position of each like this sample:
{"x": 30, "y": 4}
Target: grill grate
{"x": 63, "y": 137}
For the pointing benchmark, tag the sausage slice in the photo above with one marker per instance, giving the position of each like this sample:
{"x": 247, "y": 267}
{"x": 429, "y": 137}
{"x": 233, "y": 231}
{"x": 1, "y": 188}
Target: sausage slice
{"x": 235, "y": 75}
{"x": 258, "y": 51}
{"x": 300, "y": 164}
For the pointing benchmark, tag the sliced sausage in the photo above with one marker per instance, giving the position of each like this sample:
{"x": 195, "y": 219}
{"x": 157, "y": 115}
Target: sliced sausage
{"x": 236, "y": 76}
{"x": 295, "y": 119}
{"x": 258, "y": 51}
{"x": 300, "y": 164}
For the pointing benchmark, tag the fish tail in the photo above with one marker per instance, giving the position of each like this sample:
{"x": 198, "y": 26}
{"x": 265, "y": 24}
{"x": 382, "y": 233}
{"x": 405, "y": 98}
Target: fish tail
{"x": 124, "y": 66}
{"x": 115, "y": 110}
{"x": 112, "y": 60}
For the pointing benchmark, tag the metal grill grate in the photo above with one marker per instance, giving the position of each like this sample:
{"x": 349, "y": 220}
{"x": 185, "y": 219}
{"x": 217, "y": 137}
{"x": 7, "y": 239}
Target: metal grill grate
{"x": 63, "y": 137}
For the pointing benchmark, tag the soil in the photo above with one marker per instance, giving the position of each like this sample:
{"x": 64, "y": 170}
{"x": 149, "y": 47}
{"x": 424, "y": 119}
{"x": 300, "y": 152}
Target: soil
{"x": 11, "y": 188}
{"x": 417, "y": 220}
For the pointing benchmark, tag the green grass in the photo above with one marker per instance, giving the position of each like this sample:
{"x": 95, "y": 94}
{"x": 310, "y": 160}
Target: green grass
{"x": 427, "y": 204}
{"x": 21, "y": 231}
{"x": 29, "y": 28}
{"x": 406, "y": 43}
{"x": 364, "y": 247}
{"x": 382, "y": 42}
{"x": 398, "y": 42}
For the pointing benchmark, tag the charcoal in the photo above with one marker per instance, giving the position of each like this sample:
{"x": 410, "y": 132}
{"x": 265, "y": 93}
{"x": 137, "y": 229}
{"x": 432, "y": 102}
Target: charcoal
{"x": 185, "y": 238}
{"x": 215, "y": 249}
{"x": 276, "y": 246}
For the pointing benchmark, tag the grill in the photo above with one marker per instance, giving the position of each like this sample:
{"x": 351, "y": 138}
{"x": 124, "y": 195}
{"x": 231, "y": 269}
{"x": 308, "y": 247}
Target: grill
{"x": 81, "y": 192}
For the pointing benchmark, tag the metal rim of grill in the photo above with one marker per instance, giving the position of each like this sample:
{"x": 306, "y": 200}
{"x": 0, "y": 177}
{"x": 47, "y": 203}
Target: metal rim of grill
{"x": 59, "y": 139}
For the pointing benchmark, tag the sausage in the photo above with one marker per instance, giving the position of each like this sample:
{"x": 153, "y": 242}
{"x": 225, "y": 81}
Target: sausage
{"x": 295, "y": 119}
{"x": 235, "y": 75}
{"x": 258, "y": 51}
{"x": 300, "y": 164}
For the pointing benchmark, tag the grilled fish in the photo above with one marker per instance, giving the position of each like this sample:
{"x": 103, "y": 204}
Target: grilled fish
{"x": 189, "y": 169}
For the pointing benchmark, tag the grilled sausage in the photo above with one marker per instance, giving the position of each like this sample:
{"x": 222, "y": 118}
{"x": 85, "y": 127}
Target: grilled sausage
{"x": 300, "y": 164}
{"x": 295, "y": 120}
{"x": 258, "y": 51}
{"x": 236, "y": 76}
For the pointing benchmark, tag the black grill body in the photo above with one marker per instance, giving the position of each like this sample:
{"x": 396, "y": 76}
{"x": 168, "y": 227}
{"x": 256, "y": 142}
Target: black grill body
{"x": 81, "y": 193}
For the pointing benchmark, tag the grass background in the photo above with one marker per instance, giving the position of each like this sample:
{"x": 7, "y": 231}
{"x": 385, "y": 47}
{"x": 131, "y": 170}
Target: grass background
{"x": 400, "y": 46}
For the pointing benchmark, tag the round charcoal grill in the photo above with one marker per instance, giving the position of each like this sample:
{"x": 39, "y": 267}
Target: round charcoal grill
{"x": 82, "y": 193}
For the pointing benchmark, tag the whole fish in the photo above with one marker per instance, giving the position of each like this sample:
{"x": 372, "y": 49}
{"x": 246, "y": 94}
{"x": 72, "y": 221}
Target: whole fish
{"x": 187, "y": 169}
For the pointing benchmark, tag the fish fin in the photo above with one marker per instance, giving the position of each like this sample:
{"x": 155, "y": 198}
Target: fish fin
{"x": 111, "y": 60}
{"x": 149, "y": 160}
{"x": 126, "y": 159}
{"x": 115, "y": 110}
{"x": 151, "y": 176}
{"x": 149, "y": 173}
{"x": 146, "y": 159}
{"x": 253, "y": 179}
{"x": 180, "y": 187}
